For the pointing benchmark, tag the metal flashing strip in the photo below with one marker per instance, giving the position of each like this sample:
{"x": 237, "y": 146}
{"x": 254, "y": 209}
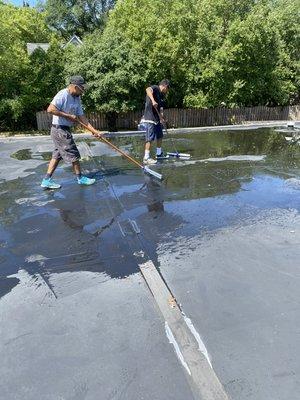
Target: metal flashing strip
{"x": 203, "y": 380}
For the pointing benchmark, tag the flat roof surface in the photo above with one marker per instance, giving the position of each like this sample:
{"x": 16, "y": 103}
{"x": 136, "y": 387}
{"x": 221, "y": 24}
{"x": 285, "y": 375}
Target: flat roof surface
{"x": 77, "y": 318}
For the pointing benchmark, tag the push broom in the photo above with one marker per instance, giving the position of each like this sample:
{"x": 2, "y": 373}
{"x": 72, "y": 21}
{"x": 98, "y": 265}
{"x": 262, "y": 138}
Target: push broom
{"x": 176, "y": 153}
{"x": 146, "y": 169}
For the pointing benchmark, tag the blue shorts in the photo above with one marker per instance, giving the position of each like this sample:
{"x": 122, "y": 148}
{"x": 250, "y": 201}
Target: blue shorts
{"x": 153, "y": 132}
{"x": 141, "y": 126}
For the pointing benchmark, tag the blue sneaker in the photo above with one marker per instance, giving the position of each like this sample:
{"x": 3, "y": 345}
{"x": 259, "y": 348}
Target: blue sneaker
{"x": 84, "y": 180}
{"x": 49, "y": 184}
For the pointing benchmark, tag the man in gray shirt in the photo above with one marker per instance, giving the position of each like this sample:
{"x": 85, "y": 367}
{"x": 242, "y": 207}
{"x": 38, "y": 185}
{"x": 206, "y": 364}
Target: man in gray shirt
{"x": 67, "y": 110}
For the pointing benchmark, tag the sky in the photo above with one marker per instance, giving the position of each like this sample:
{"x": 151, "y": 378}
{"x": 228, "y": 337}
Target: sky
{"x": 20, "y": 2}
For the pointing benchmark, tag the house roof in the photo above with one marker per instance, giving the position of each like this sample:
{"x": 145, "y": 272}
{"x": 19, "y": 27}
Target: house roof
{"x": 31, "y": 47}
{"x": 75, "y": 40}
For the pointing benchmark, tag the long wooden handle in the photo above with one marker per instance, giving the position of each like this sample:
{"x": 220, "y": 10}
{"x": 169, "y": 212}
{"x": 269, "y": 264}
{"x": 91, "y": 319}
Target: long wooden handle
{"x": 114, "y": 147}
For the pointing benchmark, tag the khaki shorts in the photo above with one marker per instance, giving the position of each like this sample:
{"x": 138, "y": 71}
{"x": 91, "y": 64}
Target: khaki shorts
{"x": 65, "y": 147}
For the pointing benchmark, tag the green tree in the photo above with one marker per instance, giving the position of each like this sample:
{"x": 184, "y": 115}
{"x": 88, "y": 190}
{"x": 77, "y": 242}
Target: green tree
{"x": 76, "y": 16}
{"x": 26, "y": 82}
{"x": 251, "y": 65}
{"x": 242, "y": 53}
{"x": 285, "y": 16}
{"x": 214, "y": 51}
{"x": 134, "y": 52}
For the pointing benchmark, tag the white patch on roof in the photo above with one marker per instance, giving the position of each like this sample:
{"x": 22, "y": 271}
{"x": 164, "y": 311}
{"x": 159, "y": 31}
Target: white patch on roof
{"x": 31, "y": 47}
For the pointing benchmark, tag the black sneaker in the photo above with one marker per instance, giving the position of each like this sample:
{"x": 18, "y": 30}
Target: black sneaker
{"x": 162, "y": 156}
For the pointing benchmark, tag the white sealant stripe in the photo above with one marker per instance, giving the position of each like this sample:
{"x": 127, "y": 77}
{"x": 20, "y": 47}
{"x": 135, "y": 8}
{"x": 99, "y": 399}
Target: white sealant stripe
{"x": 172, "y": 340}
{"x": 202, "y": 347}
{"x": 204, "y": 382}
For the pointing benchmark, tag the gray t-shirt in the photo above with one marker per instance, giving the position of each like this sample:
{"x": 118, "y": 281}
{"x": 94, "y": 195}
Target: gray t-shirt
{"x": 65, "y": 102}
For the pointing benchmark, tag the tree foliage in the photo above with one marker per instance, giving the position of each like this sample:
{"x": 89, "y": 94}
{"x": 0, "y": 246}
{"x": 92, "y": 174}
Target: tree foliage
{"x": 241, "y": 53}
{"x": 134, "y": 52}
{"x": 26, "y": 82}
{"x": 76, "y": 16}
{"x": 250, "y": 66}
{"x": 214, "y": 51}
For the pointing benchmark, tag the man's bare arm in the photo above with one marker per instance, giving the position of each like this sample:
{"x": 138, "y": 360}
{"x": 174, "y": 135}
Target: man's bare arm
{"x": 55, "y": 111}
{"x": 149, "y": 92}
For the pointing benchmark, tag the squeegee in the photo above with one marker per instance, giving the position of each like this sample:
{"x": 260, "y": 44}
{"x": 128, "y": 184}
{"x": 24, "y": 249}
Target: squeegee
{"x": 146, "y": 169}
{"x": 176, "y": 153}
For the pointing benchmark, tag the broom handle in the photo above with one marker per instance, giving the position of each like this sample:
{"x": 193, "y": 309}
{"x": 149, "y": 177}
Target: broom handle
{"x": 114, "y": 147}
{"x": 163, "y": 124}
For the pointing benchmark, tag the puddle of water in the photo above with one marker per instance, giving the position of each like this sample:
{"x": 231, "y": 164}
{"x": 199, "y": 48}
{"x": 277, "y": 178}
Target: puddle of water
{"x": 7, "y": 284}
{"x": 24, "y": 154}
{"x": 231, "y": 175}
{"x": 218, "y": 145}
{"x": 27, "y": 154}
